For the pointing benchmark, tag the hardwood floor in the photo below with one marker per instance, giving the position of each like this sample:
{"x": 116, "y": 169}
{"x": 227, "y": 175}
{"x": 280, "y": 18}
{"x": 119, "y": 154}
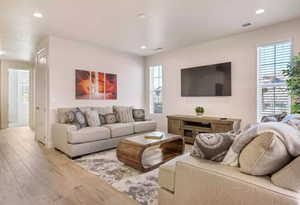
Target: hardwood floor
{"x": 30, "y": 174}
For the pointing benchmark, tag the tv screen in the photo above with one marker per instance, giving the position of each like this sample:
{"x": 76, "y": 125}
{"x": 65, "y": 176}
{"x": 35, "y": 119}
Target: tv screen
{"x": 210, "y": 80}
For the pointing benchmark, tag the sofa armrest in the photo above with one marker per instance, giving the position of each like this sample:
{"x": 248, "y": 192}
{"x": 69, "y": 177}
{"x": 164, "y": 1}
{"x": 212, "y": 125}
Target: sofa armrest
{"x": 60, "y": 134}
{"x": 203, "y": 182}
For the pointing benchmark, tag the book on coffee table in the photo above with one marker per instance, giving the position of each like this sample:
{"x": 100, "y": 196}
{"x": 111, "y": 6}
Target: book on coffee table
{"x": 154, "y": 135}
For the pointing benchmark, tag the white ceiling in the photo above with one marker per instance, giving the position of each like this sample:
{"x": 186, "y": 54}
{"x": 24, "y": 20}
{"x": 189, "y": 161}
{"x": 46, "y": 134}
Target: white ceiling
{"x": 114, "y": 23}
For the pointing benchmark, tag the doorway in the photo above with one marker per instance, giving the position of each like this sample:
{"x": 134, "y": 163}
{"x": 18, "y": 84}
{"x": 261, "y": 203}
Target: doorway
{"x": 18, "y": 97}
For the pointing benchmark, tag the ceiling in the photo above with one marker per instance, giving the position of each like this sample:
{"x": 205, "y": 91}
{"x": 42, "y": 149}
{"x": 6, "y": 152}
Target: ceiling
{"x": 115, "y": 24}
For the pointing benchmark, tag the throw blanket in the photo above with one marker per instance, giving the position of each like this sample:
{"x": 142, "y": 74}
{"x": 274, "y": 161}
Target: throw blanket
{"x": 289, "y": 135}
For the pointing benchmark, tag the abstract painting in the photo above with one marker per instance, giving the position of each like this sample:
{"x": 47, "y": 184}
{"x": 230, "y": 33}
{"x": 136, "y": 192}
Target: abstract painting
{"x": 110, "y": 86}
{"x": 95, "y": 85}
{"x": 82, "y": 84}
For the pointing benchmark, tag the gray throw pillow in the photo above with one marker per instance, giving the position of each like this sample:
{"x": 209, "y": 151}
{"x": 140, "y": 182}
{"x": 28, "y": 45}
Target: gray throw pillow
{"x": 123, "y": 114}
{"x": 212, "y": 146}
{"x": 77, "y": 118}
{"x": 92, "y": 117}
{"x": 102, "y": 119}
{"x": 110, "y": 118}
{"x": 138, "y": 114}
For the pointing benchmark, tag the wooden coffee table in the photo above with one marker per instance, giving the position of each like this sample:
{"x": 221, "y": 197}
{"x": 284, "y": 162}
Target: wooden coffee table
{"x": 148, "y": 154}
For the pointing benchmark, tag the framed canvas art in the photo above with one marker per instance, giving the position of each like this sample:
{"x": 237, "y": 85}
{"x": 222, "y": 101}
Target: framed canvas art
{"x": 82, "y": 84}
{"x": 110, "y": 86}
{"x": 95, "y": 85}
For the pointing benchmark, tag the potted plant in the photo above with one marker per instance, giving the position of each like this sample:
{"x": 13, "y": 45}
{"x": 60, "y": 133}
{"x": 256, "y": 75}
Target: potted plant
{"x": 199, "y": 110}
{"x": 293, "y": 82}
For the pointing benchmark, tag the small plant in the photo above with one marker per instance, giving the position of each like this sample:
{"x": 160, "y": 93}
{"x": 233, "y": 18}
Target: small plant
{"x": 199, "y": 110}
{"x": 293, "y": 82}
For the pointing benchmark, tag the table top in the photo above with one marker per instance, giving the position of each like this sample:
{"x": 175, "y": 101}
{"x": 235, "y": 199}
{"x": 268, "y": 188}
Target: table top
{"x": 141, "y": 140}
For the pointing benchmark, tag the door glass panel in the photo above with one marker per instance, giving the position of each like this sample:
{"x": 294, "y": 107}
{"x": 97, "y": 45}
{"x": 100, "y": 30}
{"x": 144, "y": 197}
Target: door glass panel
{"x": 18, "y": 98}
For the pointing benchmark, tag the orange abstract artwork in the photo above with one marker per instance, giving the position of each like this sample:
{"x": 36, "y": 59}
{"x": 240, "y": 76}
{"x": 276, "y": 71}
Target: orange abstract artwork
{"x": 95, "y": 85}
{"x": 82, "y": 84}
{"x": 110, "y": 86}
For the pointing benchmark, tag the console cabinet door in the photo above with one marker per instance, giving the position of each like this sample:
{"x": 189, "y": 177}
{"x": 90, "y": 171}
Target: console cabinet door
{"x": 174, "y": 126}
{"x": 220, "y": 128}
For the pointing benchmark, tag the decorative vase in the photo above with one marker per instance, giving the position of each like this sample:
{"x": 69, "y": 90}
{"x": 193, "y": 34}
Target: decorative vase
{"x": 199, "y": 114}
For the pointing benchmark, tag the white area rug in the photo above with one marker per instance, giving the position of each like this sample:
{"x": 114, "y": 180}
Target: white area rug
{"x": 142, "y": 187}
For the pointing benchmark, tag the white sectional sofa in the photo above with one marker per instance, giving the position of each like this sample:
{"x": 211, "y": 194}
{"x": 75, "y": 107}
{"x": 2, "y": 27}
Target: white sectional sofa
{"x": 77, "y": 142}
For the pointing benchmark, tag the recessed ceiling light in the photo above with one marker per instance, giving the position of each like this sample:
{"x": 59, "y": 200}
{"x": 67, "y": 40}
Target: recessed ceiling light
{"x": 143, "y": 47}
{"x": 2, "y": 53}
{"x": 141, "y": 15}
{"x": 260, "y": 11}
{"x": 38, "y": 15}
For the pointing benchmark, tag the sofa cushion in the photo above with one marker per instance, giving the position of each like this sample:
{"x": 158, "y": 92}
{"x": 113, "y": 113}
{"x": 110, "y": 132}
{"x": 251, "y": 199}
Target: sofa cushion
{"x": 88, "y": 134}
{"x": 289, "y": 176}
{"x": 144, "y": 126}
{"x": 264, "y": 155}
{"x": 120, "y": 129}
{"x": 167, "y": 173}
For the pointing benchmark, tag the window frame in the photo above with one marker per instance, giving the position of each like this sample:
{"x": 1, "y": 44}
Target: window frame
{"x": 258, "y": 85}
{"x": 150, "y": 89}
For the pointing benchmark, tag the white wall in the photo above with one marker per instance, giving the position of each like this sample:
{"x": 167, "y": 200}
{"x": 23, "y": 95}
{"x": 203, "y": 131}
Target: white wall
{"x": 66, "y": 55}
{"x": 241, "y": 51}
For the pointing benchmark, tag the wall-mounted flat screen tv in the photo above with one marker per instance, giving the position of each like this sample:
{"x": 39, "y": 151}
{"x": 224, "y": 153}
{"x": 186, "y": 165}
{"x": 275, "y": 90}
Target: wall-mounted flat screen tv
{"x": 210, "y": 80}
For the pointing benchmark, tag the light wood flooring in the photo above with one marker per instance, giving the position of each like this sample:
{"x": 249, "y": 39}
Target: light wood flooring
{"x": 30, "y": 174}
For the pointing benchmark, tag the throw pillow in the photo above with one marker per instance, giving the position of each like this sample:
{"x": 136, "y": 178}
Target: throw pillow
{"x": 102, "y": 119}
{"x": 110, "y": 118}
{"x": 92, "y": 118}
{"x": 77, "y": 118}
{"x": 138, "y": 114}
{"x": 123, "y": 114}
{"x": 264, "y": 155}
{"x": 212, "y": 146}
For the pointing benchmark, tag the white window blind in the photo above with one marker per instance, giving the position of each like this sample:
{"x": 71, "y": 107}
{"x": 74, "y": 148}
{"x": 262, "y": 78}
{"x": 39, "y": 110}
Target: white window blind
{"x": 272, "y": 93}
{"x": 156, "y": 89}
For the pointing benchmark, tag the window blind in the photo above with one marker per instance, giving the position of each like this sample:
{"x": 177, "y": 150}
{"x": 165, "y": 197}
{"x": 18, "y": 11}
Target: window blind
{"x": 272, "y": 93}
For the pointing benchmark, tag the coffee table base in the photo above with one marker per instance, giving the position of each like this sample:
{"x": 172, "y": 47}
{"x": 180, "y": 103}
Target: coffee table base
{"x": 148, "y": 158}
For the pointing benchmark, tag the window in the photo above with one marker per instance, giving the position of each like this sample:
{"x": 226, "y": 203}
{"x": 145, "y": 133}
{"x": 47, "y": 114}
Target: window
{"x": 272, "y": 93}
{"x": 156, "y": 89}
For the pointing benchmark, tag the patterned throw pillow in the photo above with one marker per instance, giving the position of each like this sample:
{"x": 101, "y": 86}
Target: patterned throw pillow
{"x": 123, "y": 114}
{"x": 212, "y": 146}
{"x": 110, "y": 118}
{"x": 77, "y": 118}
{"x": 138, "y": 114}
{"x": 102, "y": 119}
{"x": 92, "y": 118}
